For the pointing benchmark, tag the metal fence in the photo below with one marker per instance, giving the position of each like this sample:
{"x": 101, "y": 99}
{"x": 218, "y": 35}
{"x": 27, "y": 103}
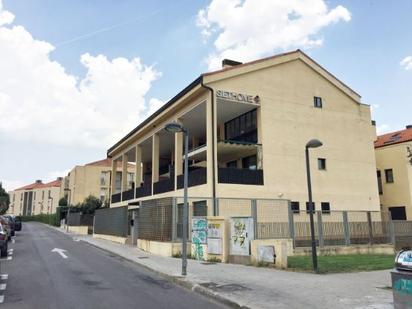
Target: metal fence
{"x": 79, "y": 219}
{"x": 155, "y": 219}
{"x": 111, "y": 221}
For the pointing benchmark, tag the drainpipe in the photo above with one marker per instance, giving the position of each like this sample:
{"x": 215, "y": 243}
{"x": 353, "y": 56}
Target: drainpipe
{"x": 213, "y": 145}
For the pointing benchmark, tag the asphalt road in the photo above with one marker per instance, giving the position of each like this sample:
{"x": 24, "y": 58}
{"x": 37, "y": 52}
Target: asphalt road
{"x": 87, "y": 278}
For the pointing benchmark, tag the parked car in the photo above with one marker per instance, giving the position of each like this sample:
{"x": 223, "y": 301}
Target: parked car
{"x": 17, "y": 223}
{"x": 3, "y": 242}
{"x": 12, "y": 223}
{"x": 6, "y": 226}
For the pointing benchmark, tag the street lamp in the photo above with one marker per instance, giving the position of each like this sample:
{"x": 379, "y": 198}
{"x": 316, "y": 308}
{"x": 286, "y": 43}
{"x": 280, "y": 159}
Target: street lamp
{"x": 313, "y": 143}
{"x": 175, "y": 127}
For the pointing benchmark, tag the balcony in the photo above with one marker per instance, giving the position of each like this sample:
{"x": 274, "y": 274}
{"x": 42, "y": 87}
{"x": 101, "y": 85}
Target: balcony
{"x": 144, "y": 190}
{"x": 128, "y": 195}
{"x": 196, "y": 177}
{"x": 116, "y": 197}
{"x": 240, "y": 176}
{"x": 162, "y": 186}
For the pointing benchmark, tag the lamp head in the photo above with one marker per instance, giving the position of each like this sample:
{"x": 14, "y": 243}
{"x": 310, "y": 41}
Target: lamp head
{"x": 174, "y": 127}
{"x": 314, "y": 143}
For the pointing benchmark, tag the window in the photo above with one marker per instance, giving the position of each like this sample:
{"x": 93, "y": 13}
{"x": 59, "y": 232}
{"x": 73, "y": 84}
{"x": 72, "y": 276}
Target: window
{"x": 34, "y": 195}
{"x": 200, "y": 209}
{"x": 295, "y": 207}
{"x": 49, "y": 195}
{"x": 308, "y": 208}
{"x": 322, "y": 164}
{"x": 104, "y": 178}
{"x": 42, "y": 195}
{"x": 325, "y": 206}
{"x": 250, "y": 162}
{"x": 231, "y": 164}
{"x": 380, "y": 187}
{"x": 317, "y": 102}
{"x": 389, "y": 175}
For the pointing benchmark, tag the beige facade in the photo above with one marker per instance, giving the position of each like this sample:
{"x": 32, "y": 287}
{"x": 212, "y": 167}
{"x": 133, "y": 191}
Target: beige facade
{"x": 37, "y": 198}
{"x": 394, "y": 168}
{"x": 248, "y": 126}
{"x": 89, "y": 179}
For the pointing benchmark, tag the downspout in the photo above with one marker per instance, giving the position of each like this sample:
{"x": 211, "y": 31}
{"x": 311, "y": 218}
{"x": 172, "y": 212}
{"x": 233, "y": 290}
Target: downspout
{"x": 213, "y": 146}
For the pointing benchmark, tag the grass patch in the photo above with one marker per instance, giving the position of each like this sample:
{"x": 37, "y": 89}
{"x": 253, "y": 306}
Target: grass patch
{"x": 343, "y": 263}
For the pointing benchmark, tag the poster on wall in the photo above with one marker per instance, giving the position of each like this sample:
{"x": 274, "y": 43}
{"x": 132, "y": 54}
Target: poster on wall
{"x": 199, "y": 237}
{"x": 214, "y": 238}
{"x": 241, "y": 233}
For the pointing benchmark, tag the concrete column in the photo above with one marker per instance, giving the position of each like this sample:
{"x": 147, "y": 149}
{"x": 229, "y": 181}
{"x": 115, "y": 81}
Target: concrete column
{"x": 209, "y": 142}
{"x": 138, "y": 167}
{"x": 221, "y": 131}
{"x": 259, "y": 124}
{"x": 155, "y": 158}
{"x": 113, "y": 178}
{"x": 124, "y": 172}
{"x": 178, "y": 153}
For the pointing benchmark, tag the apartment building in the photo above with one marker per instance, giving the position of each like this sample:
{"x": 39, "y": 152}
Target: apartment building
{"x": 394, "y": 171}
{"x": 91, "y": 179}
{"x": 36, "y": 198}
{"x": 248, "y": 125}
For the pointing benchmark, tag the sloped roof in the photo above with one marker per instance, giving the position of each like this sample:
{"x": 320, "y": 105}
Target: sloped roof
{"x": 396, "y": 137}
{"x": 104, "y": 162}
{"x": 200, "y": 80}
{"x": 37, "y": 185}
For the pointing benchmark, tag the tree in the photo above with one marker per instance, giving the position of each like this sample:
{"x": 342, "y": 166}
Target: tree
{"x": 90, "y": 204}
{"x": 4, "y": 200}
{"x": 63, "y": 201}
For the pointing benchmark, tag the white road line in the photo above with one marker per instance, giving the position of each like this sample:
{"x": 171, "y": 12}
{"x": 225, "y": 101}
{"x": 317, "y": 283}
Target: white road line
{"x": 1, "y": 299}
{"x": 3, "y": 286}
{"x": 4, "y": 277}
{"x": 9, "y": 258}
{"x": 13, "y": 241}
{"x": 10, "y": 250}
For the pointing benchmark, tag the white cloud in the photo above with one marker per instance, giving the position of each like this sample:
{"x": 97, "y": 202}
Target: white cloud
{"x": 51, "y": 176}
{"x": 248, "y": 29}
{"x": 154, "y": 105}
{"x": 406, "y": 63}
{"x": 39, "y": 101}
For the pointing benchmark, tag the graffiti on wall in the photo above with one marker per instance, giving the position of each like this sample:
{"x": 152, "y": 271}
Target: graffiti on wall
{"x": 241, "y": 234}
{"x": 199, "y": 237}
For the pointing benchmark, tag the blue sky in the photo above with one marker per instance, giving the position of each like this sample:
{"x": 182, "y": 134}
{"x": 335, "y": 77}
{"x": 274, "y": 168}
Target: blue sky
{"x": 360, "y": 42}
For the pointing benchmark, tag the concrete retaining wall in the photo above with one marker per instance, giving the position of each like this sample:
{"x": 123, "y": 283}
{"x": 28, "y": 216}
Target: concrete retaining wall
{"x": 121, "y": 240}
{"x": 346, "y": 250}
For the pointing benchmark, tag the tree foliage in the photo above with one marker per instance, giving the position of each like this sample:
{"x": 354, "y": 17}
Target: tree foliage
{"x": 63, "y": 201}
{"x": 89, "y": 205}
{"x": 4, "y": 200}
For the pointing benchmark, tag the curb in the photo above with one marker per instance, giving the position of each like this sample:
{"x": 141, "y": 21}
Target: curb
{"x": 197, "y": 288}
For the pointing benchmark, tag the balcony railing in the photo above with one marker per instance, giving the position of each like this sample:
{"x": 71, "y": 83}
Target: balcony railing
{"x": 128, "y": 195}
{"x": 240, "y": 176}
{"x": 117, "y": 197}
{"x": 196, "y": 177}
{"x": 162, "y": 186}
{"x": 144, "y": 190}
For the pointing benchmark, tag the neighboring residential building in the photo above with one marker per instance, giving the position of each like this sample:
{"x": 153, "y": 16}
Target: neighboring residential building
{"x": 248, "y": 126}
{"x": 36, "y": 198}
{"x": 90, "y": 179}
{"x": 394, "y": 171}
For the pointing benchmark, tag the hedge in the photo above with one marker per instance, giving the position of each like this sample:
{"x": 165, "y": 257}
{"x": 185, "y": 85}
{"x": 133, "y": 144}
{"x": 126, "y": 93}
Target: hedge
{"x": 51, "y": 219}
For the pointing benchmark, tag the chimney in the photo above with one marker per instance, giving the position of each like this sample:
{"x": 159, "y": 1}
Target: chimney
{"x": 38, "y": 181}
{"x": 409, "y": 126}
{"x": 59, "y": 178}
{"x": 227, "y": 63}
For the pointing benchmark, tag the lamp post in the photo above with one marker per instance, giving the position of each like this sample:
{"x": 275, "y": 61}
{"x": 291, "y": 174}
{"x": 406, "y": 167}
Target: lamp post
{"x": 313, "y": 143}
{"x": 176, "y": 128}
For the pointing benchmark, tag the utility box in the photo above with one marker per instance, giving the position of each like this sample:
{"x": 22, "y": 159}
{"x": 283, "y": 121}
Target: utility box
{"x": 402, "y": 280}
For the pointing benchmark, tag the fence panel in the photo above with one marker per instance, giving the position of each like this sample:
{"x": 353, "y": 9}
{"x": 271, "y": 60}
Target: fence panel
{"x": 155, "y": 220}
{"x": 272, "y": 219}
{"x": 111, "y": 221}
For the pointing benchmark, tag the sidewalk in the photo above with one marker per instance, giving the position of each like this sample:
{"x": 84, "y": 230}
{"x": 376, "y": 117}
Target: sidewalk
{"x": 253, "y": 287}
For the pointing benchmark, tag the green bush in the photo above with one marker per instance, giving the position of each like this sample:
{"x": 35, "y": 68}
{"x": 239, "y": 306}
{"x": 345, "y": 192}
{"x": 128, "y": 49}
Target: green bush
{"x": 51, "y": 219}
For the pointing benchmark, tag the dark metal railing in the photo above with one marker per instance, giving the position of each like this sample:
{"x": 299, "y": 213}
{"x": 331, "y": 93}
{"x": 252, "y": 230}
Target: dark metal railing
{"x": 117, "y": 197}
{"x": 128, "y": 195}
{"x": 162, "y": 186}
{"x": 144, "y": 190}
{"x": 196, "y": 177}
{"x": 240, "y": 176}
